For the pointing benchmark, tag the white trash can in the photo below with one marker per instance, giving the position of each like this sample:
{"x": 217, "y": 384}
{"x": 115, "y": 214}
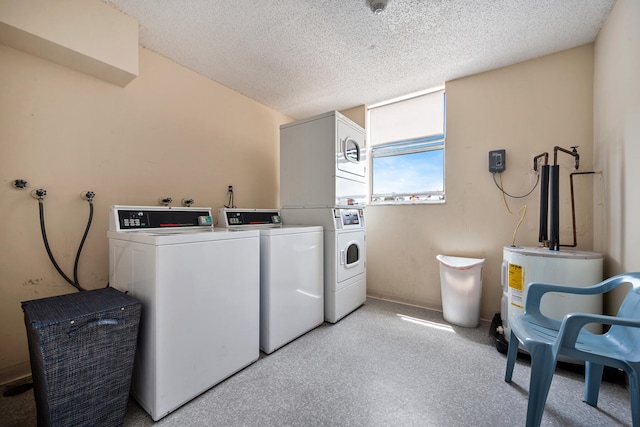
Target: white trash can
{"x": 461, "y": 286}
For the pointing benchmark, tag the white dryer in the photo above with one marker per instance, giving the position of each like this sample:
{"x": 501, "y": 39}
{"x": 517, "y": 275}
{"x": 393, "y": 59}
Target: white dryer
{"x": 323, "y": 163}
{"x": 200, "y": 293}
{"x": 291, "y": 274}
{"x": 345, "y": 278}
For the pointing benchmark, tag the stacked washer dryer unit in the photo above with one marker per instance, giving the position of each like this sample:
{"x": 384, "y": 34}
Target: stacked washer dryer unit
{"x": 291, "y": 274}
{"x": 323, "y": 181}
{"x": 199, "y": 289}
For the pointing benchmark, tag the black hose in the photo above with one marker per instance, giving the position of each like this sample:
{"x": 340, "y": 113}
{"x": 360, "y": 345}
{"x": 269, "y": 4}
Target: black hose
{"x": 543, "y": 233}
{"x": 554, "y": 207}
{"x": 515, "y": 197}
{"x": 84, "y": 237}
{"x": 46, "y": 245}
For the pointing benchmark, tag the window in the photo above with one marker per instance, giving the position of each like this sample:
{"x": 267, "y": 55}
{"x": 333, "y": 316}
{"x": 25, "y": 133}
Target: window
{"x": 408, "y": 171}
{"x": 407, "y": 150}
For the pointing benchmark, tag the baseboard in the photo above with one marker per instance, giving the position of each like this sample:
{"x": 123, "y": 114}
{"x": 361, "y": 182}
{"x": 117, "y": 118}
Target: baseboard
{"x": 404, "y": 301}
{"x": 9, "y": 374}
{"x": 433, "y": 307}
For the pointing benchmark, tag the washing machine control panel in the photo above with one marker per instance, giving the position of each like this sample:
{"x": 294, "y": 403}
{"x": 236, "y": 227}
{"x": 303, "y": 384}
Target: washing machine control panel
{"x": 132, "y": 218}
{"x": 248, "y": 218}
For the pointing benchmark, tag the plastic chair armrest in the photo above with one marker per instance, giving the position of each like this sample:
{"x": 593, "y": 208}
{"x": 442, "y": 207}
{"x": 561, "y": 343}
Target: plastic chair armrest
{"x": 573, "y": 323}
{"x": 535, "y": 291}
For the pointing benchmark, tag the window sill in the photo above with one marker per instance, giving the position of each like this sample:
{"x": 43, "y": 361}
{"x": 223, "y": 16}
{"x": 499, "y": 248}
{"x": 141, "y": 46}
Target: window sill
{"x": 408, "y": 203}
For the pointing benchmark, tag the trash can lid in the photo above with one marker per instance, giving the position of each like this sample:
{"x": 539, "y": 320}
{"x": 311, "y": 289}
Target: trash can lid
{"x": 459, "y": 263}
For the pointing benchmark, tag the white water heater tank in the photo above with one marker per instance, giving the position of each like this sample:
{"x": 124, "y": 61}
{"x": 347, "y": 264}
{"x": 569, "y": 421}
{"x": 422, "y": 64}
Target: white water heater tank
{"x": 524, "y": 265}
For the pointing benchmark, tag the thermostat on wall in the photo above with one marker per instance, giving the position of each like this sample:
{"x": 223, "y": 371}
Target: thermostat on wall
{"x": 497, "y": 161}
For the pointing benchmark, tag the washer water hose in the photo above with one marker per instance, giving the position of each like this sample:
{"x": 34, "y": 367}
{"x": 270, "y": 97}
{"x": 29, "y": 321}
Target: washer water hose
{"x": 88, "y": 196}
{"x": 40, "y": 194}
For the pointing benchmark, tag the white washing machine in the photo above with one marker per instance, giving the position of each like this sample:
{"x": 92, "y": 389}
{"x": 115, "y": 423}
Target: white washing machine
{"x": 323, "y": 163}
{"x": 345, "y": 279}
{"x": 200, "y": 293}
{"x": 291, "y": 274}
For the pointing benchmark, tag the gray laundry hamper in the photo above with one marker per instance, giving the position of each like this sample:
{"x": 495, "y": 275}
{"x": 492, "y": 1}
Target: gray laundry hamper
{"x": 82, "y": 348}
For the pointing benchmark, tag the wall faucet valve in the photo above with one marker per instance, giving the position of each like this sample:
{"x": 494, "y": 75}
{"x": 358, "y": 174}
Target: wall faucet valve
{"x": 39, "y": 194}
{"x": 88, "y": 195}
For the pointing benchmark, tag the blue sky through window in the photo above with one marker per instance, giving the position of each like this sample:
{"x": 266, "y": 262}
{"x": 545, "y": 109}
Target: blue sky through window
{"x": 409, "y": 173}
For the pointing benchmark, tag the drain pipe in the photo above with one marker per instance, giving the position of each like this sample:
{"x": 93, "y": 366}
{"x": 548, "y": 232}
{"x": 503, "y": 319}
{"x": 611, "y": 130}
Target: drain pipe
{"x": 573, "y": 207}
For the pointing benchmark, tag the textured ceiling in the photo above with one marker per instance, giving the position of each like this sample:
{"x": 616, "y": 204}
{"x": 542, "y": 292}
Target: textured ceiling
{"x": 305, "y": 57}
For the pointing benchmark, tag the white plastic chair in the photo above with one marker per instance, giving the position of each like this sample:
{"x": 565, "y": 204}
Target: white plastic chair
{"x": 546, "y": 338}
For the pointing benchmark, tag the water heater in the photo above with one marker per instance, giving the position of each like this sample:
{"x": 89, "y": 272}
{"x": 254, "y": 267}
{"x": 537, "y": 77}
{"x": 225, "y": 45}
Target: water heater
{"x": 524, "y": 265}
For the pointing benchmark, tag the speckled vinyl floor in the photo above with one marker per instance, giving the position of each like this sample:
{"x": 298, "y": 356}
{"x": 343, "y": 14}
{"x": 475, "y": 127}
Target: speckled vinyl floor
{"x": 386, "y": 364}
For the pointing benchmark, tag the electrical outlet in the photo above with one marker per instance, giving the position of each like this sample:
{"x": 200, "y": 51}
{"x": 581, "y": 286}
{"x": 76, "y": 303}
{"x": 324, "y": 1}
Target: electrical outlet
{"x": 497, "y": 161}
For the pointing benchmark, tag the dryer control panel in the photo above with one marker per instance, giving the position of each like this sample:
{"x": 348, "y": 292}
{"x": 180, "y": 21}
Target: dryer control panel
{"x": 348, "y": 218}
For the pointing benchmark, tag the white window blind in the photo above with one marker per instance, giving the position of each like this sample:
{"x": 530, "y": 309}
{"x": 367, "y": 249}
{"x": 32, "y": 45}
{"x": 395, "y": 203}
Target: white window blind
{"x": 412, "y": 118}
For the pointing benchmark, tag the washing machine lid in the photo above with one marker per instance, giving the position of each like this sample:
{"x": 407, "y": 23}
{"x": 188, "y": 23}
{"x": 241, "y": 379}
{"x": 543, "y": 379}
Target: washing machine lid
{"x": 291, "y": 229}
{"x": 162, "y": 238}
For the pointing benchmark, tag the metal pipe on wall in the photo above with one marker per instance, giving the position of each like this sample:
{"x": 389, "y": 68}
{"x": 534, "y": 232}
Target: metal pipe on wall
{"x": 554, "y": 188}
{"x": 573, "y": 152}
{"x": 573, "y": 207}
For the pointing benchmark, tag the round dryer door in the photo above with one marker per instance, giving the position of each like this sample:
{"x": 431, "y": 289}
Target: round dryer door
{"x": 351, "y": 255}
{"x": 351, "y": 151}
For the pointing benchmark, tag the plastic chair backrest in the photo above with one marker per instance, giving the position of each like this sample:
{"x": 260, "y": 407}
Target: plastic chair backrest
{"x": 629, "y": 338}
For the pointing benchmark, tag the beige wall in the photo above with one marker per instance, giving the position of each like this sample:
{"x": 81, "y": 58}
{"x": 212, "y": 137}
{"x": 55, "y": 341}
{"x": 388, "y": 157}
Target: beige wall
{"x": 357, "y": 114}
{"x": 527, "y": 109}
{"x": 99, "y": 40}
{"x": 174, "y": 133}
{"x": 170, "y": 132}
{"x": 617, "y": 141}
